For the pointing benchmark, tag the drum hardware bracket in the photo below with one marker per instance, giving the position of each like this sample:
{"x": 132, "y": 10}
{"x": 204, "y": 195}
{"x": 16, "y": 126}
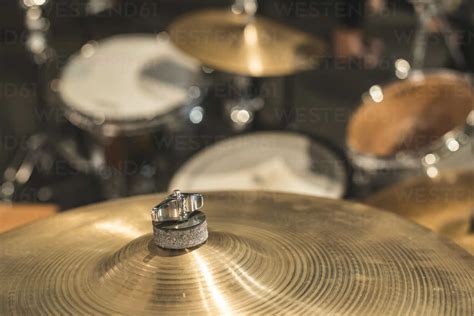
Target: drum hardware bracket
{"x": 177, "y": 223}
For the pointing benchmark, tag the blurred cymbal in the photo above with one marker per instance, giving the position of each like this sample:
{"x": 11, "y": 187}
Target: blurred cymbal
{"x": 266, "y": 253}
{"x": 246, "y": 45}
{"x": 443, "y": 204}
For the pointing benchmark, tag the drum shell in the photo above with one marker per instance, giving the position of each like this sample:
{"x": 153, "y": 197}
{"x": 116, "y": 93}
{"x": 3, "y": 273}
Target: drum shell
{"x": 373, "y": 173}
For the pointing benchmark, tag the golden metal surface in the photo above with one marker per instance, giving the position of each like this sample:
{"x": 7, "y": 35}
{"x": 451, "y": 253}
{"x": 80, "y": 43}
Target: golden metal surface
{"x": 267, "y": 253}
{"x": 250, "y": 46}
{"x": 443, "y": 204}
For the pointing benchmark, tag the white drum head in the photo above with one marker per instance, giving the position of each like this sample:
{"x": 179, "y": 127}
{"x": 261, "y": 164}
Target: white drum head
{"x": 274, "y": 161}
{"x": 128, "y": 78}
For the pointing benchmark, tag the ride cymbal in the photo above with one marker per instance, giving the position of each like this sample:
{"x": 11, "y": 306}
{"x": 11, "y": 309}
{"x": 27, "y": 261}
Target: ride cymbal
{"x": 246, "y": 45}
{"x": 266, "y": 253}
{"x": 444, "y": 204}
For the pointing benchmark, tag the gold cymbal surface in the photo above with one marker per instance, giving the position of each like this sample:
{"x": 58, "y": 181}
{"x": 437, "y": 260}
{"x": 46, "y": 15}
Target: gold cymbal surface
{"x": 443, "y": 204}
{"x": 267, "y": 253}
{"x": 246, "y": 45}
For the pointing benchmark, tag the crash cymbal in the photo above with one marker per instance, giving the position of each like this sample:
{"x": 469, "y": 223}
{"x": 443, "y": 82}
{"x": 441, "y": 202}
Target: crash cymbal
{"x": 266, "y": 253}
{"x": 444, "y": 204}
{"x": 246, "y": 45}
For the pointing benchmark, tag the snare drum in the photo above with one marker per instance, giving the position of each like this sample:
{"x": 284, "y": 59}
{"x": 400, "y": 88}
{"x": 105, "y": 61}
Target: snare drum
{"x": 276, "y": 161}
{"x": 410, "y": 126}
{"x": 126, "y": 92}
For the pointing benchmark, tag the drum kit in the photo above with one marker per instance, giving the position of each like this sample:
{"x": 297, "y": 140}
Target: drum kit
{"x": 267, "y": 229}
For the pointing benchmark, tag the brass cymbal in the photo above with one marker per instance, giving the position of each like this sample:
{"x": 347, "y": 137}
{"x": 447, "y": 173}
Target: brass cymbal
{"x": 247, "y": 45}
{"x": 443, "y": 204}
{"x": 266, "y": 253}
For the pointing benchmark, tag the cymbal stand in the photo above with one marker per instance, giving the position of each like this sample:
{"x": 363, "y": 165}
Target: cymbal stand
{"x": 241, "y": 109}
{"x": 37, "y": 26}
{"x": 248, "y": 7}
{"x": 426, "y": 11}
{"x": 19, "y": 171}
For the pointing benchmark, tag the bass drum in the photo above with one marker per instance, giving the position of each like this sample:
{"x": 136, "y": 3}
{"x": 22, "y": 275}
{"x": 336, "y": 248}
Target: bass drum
{"x": 276, "y": 161}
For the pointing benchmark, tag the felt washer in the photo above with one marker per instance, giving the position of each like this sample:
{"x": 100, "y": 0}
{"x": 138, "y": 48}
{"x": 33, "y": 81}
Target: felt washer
{"x": 181, "y": 235}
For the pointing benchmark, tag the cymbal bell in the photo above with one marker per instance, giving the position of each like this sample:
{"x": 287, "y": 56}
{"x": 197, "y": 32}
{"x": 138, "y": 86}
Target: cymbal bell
{"x": 266, "y": 253}
{"x": 247, "y": 45}
{"x": 444, "y": 204}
